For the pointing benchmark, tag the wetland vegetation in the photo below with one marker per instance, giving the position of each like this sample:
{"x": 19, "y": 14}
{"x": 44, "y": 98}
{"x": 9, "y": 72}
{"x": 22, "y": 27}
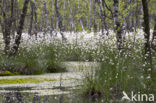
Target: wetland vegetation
{"x": 81, "y": 51}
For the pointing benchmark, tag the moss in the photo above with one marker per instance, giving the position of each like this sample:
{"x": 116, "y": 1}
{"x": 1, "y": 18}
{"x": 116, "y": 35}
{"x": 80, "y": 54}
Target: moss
{"x": 45, "y": 79}
{"x": 8, "y": 73}
{"x": 24, "y": 80}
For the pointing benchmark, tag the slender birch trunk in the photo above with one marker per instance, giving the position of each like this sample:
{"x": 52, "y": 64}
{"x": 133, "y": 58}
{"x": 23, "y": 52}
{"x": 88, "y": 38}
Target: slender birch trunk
{"x": 95, "y": 18}
{"x": 46, "y": 12}
{"x": 31, "y": 18}
{"x": 52, "y": 18}
{"x": 148, "y": 57}
{"x": 101, "y": 17}
{"x": 35, "y": 14}
{"x": 154, "y": 35}
{"x": 81, "y": 22}
{"x": 7, "y": 23}
{"x": 72, "y": 19}
{"x": 90, "y": 14}
{"x": 14, "y": 49}
{"x": 59, "y": 19}
{"x": 118, "y": 28}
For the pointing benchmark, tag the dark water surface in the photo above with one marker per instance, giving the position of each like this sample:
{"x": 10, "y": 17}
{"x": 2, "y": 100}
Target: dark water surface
{"x": 18, "y": 95}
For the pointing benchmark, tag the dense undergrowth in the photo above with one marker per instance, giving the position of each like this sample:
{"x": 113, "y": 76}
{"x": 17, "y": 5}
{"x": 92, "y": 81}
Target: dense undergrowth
{"x": 36, "y": 59}
{"x": 119, "y": 70}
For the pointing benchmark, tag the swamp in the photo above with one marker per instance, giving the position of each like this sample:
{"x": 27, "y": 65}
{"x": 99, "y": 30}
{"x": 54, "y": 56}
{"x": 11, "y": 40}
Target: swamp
{"x": 77, "y": 51}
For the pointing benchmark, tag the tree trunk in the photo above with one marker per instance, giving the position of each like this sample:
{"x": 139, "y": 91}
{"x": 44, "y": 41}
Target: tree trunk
{"x": 12, "y": 17}
{"x": 15, "y": 13}
{"x": 71, "y": 17}
{"x": 102, "y": 17}
{"x": 90, "y": 16}
{"x": 35, "y": 14}
{"x": 118, "y": 28}
{"x": 81, "y": 22}
{"x": 59, "y": 19}
{"x": 20, "y": 28}
{"x": 95, "y": 12}
{"x": 6, "y": 35}
{"x": 154, "y": 37}
{"x": 46, "y": 12}
{"x": 146, "y": 25}
{"x": 31, "y": 18}
{"x": 148, "y": 58}
{"x": 7, "y": 24}
{"x": 52, "y": 19}
{"x": 64, "y": 9}
{"x": 87, "y": 15}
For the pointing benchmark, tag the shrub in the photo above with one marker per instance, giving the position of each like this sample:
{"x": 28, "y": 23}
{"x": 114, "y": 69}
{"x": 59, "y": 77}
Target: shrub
{"x": 36, "y": 59}
{"x": 119, "y": 71}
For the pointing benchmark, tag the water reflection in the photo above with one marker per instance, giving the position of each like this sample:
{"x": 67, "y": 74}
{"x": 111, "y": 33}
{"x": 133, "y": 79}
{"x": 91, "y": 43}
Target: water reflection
{"x": 15, "y": 97}
{"x": 19, "y": 97}
{"x": 36, "y": 99}
{"x": 46, "y": 95}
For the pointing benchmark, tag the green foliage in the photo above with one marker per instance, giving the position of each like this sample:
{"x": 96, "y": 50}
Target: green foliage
{"x": 34, "y": 60}
{"x": 119, "y": 72}
{"x": 77, "y": 9}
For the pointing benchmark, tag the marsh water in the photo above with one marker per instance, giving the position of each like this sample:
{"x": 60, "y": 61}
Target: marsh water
{"x": 64, "y": 89}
